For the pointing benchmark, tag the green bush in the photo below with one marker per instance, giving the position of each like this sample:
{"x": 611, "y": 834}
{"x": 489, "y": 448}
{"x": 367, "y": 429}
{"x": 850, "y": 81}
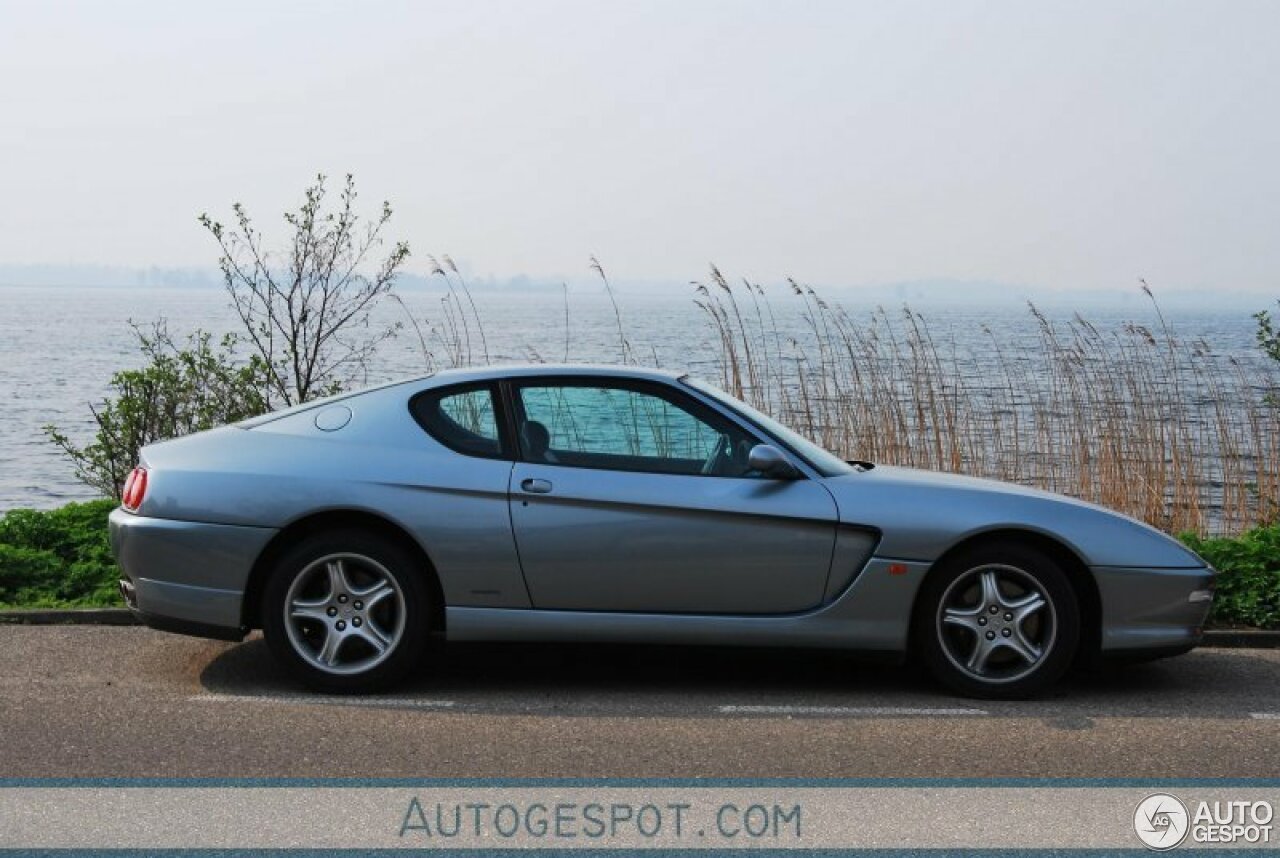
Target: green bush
{"x": 1248, "y": 585}
{"x": 57, "y": 558}
{"x": 26, "y": 572}
{"x": 180, "y": 390}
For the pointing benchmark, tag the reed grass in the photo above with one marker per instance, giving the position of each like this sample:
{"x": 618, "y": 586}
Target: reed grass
{"x": 1137, "y": 419}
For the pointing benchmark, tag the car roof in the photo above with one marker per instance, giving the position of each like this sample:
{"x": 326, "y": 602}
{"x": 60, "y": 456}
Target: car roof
{"x": 478, "y": 373}
{"x": 486, "y": 373}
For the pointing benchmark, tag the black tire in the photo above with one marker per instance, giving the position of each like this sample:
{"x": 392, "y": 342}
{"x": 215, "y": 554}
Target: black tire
{"x": 400, "y": 619}
{"x": 1051, "y": 633}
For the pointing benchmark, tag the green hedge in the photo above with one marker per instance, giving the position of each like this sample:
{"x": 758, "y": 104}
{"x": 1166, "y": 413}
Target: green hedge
{"x": 58, "y": 558}
{"x": 1248, "y": 585}
{"x": 61, "y": 558}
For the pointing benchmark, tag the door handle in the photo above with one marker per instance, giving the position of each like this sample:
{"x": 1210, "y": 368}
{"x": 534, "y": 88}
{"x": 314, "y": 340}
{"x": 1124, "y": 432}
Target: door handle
{"x": 536, "y": 487}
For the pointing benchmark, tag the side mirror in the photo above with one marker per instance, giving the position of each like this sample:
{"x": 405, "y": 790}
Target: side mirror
{"x": 769, "y": 461}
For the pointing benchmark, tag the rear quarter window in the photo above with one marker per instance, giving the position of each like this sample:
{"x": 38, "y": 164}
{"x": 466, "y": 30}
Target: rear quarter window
{"x": 464, "y": 419}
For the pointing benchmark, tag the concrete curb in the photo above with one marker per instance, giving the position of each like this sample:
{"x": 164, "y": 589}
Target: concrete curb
{"x": 1242, "y": 638}
{"x": 1233, "y": 638}
{"x": 69, "y": 617}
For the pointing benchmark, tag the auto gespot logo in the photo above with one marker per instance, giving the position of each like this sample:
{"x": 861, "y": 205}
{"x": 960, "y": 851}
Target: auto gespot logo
{"x": 1163, "y": 821}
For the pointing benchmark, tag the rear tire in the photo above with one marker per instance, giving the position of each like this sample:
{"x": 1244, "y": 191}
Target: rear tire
{"x": 998, "y": 621}
{"x": 347, "y": 612}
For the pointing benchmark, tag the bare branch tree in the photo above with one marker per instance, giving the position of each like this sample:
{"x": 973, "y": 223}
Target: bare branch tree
{"x": 306, "y": 313}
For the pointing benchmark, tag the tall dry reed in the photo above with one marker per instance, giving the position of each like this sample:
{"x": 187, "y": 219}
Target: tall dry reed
{"x": 1137, "y": 419}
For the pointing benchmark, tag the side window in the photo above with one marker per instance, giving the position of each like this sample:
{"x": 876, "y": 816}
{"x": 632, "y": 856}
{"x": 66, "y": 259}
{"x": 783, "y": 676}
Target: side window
{"x": 625, "y": 429}
{"x": 461, "y": 418}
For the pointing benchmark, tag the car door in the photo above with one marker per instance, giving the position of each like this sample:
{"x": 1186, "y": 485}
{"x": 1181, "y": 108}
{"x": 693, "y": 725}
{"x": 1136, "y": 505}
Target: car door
{"x": 633, "y": 496}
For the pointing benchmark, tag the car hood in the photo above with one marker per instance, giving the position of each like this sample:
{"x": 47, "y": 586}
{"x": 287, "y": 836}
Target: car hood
{"x": 921, "y": 514}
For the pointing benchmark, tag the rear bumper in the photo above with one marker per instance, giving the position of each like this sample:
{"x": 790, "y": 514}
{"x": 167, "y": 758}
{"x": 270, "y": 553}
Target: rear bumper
{"x": 1149, "y": 612}
{"x": 186, "y": 576}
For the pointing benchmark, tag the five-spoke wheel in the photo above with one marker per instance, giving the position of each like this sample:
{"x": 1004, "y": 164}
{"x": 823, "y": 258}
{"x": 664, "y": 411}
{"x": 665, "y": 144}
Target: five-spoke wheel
{"x": 990, "y": 633}
{"x": 347, "y": 610}
{"x": 345, "y": 613}
{"x": 998, "y": 621}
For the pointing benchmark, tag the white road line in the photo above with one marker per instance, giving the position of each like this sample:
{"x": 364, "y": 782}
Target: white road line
{"x": 327, "y": 700}
{"x": 846, "y": 711}
{"x": 1265, "y": 716}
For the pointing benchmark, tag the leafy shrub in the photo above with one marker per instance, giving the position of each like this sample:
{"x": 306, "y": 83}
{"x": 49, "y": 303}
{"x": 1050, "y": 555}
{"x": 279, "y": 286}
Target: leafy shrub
{"x": 59, "y": 557}
{"x": 181, "y": 390}
{"x": 1268, "y": 336}
{"x": 26, "y": 572}
{"x": 1248, "y": 585}
{"x": 306, "y": 313}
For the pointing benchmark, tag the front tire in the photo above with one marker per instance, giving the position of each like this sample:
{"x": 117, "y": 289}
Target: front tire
{"x": 347, "y": 612}
{"x": 998, "y": 621}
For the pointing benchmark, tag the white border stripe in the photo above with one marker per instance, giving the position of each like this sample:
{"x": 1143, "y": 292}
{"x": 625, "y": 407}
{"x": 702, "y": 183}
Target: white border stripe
{"x": 881, "y": 711}
{"x": 1265, "y": 716}
{"x": 329, "y": 700}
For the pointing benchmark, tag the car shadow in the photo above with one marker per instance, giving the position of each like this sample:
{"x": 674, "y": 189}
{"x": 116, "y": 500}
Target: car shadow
{"x": 552, "y": 668}
{"x": 678, "y": 681}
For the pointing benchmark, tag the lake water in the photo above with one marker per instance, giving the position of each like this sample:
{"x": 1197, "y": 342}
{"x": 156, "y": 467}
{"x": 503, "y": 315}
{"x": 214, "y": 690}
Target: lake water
{"x": 59, "y": 347}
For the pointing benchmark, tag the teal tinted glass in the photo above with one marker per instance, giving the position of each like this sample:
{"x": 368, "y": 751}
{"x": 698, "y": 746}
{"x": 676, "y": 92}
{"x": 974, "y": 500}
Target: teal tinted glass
{"x": 473, "y": 411}
{"x": 626, "y": 429}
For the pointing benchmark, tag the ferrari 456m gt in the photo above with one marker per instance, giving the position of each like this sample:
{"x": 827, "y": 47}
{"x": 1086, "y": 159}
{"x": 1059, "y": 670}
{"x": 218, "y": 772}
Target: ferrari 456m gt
{"x": 615, "y": 504}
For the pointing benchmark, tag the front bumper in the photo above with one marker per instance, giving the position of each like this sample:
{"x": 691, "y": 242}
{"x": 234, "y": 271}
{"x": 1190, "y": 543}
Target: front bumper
{"x": 1153, "y": 611}
{"x": 186, "y": 576}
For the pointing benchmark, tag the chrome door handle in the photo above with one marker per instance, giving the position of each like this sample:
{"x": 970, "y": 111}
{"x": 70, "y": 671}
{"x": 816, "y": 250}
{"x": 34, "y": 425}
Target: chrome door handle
{"x": 536, "y": 487}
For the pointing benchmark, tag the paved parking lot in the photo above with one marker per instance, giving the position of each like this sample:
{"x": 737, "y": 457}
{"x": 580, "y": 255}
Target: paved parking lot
{"x": 102, "y": 702}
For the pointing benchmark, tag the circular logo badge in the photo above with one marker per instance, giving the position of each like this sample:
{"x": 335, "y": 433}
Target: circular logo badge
{"x": 1161, "y": 821}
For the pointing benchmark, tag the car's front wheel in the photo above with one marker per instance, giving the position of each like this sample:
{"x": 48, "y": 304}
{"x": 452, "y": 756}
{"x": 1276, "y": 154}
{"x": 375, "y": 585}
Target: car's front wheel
{"x": 346, "y": 611}
{"x": 999, "y": 621}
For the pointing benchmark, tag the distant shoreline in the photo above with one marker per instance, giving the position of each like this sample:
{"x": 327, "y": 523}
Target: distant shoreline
{"x": 928, "y": 295}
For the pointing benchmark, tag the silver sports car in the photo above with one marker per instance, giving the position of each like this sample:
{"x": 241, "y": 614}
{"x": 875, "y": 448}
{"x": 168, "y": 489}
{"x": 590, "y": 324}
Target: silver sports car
{"x": 574, "y": 503}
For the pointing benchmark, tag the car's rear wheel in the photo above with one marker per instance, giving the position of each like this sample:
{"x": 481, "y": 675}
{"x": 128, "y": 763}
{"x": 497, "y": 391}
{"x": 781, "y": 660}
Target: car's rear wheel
{"x": 998, "y": 621}
{"x": 347, "y": 612}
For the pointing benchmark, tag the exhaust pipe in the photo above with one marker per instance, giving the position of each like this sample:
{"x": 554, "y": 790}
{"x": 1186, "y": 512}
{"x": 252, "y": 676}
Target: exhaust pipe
{"x": 129, "y": 593}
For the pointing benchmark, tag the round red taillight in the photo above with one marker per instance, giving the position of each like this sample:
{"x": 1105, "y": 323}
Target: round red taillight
{"x": 128, "y": 486}
{"x": 135, "y": 489}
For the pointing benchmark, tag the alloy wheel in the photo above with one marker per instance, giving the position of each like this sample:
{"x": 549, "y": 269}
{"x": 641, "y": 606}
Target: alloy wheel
{"x": 344, "y": 613}
{"x": 996, "y": 623}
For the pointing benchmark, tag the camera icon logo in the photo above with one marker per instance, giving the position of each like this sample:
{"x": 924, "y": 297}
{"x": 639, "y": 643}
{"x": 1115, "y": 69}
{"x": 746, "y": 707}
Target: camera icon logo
{"x": 1161, "y": 821}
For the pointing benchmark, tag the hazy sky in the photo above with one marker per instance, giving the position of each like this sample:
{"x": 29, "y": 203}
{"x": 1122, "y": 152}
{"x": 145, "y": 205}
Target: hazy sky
{"x": 1064, "y": 145}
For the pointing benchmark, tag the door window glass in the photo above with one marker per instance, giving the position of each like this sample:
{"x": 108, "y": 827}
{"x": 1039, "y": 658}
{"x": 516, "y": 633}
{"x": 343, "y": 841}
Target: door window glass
{"x": 622, "y": 428}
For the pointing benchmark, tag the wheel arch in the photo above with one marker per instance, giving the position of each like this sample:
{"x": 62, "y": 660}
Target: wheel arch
{"x": 329, "y": 520}
{"x": 1082, "y": 581}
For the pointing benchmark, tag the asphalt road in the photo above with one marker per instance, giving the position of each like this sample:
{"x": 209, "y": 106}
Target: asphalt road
{"x": 113, "y": 702}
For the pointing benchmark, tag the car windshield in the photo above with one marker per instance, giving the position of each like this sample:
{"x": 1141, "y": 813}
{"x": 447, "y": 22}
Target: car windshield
{"x": 826, "y": 463}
